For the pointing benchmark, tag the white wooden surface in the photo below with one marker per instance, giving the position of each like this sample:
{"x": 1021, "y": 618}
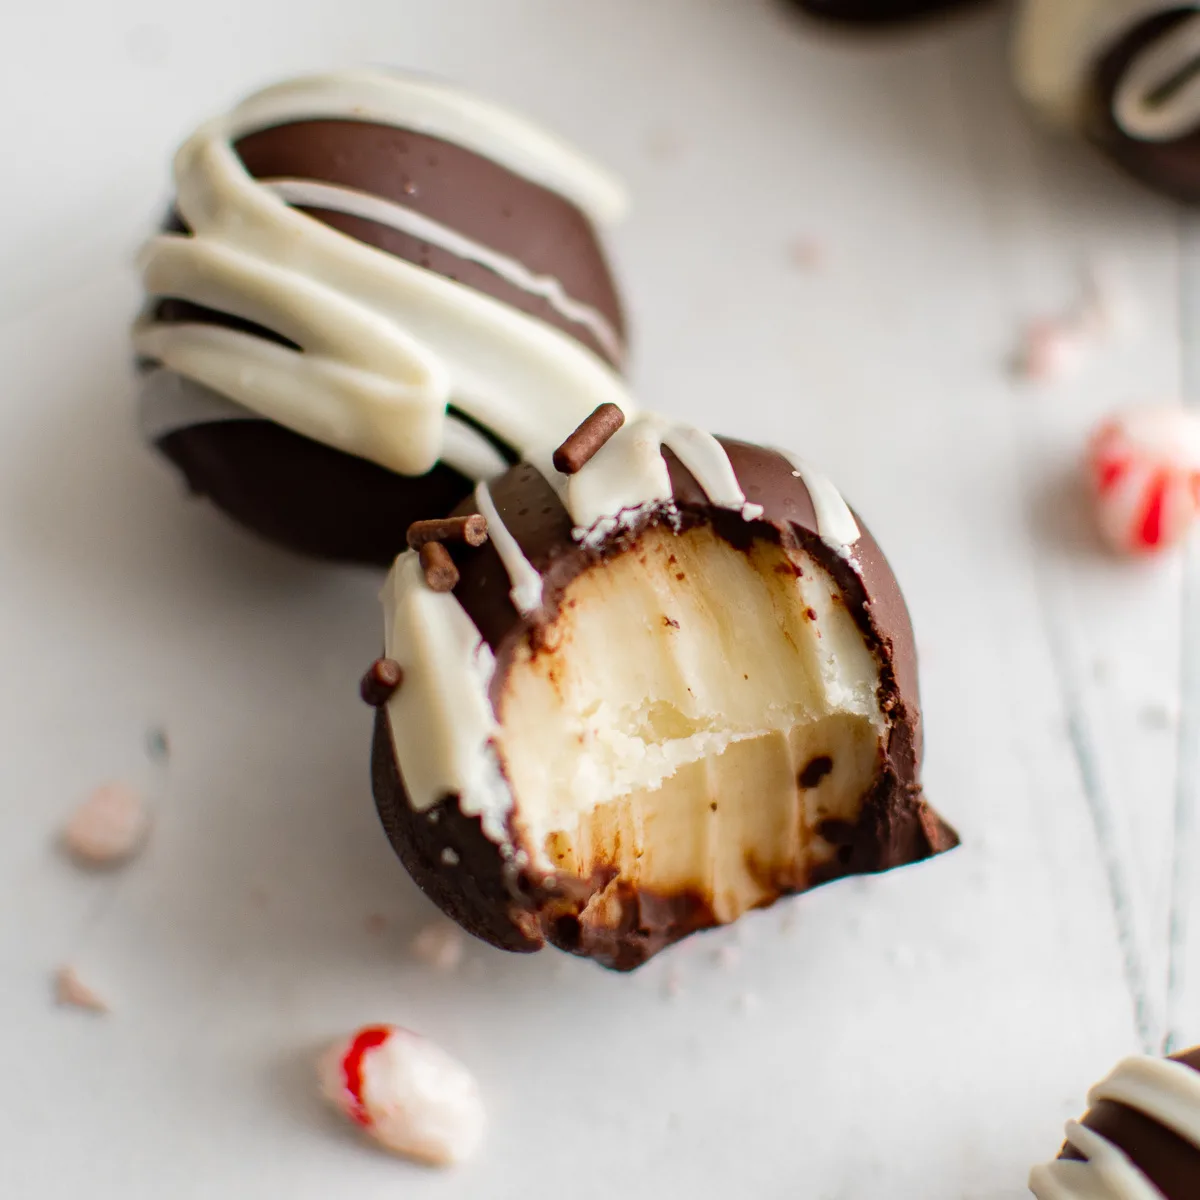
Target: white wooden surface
{"x": 921, "y": 1035}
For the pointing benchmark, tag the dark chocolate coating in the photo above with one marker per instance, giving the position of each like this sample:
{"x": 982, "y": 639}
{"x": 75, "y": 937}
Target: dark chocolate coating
{"x": 481, "y": 901}
{"x": 305, "y": 495}
{"x": 1167, "y": 1160}
{"x": 873, "y": 12}
{"x": 896, "y": 826}
{"x": 325, "y": 502}
{"x": 1171, "y": 167}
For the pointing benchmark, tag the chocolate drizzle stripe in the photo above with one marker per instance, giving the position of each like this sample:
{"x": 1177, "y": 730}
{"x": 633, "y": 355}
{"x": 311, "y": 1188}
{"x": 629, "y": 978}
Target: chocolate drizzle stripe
{"x": 618, "y": 486}
{"x": 319, "y": 395}
{"x": 460, "y": 271}
{"x": 441, "y": 720}
{"x": 1107, "y": 1167}
{"x": 526, "y": 581}
{"x": 709, "y": 464}
{"x": 305, "y": 193}
{"x": 169, "y": 402}
{"x": 1139, "y": 1139}
{"x": 835, "y": 521}
{"x": 391, "y": 98}
{"x": 470, "y": 453}
{"x": 628, "y": 477}
{"x": 1166, "y": 1091}
{"x": 1158, "y": 97}
{"x": 473, "y": 195}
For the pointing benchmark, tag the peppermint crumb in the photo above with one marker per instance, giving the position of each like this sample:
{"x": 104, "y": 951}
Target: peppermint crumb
{"x": 71, "y": 992}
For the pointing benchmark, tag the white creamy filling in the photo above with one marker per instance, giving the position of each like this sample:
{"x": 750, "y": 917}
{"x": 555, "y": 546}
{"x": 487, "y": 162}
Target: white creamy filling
{"x": 686, "y": 688}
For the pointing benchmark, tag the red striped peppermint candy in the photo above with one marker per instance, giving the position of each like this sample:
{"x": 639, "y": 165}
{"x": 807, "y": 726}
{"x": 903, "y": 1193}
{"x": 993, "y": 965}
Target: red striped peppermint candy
{"x": 406, "y": 1092}
{"x": 1144, "y": 471}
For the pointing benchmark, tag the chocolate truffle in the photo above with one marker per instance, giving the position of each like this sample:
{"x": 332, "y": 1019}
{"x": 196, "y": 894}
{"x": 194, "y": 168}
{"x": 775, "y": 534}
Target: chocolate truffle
{"x": 1126, "y": 75}
{"x": 873, "y": 12}
{"x": 1139, "y": 1140}
{"x": 674, "y": 685}
{"x": 374, "y": 291}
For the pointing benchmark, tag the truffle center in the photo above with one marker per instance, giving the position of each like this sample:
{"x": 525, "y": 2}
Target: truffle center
{"x": 694, "y": 715}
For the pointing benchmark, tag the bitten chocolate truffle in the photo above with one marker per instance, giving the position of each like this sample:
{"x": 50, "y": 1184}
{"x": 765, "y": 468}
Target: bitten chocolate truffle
{"x": 874, "y": 12}
{"x": 672, "y": 686}
{"x": 1123, "y": 73}
{"x": 373, "y": 292}
{"x": 1139, "y": 1140}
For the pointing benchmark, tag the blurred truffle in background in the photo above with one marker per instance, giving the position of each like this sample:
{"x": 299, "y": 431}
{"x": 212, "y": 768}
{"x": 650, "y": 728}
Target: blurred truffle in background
{"x": 676, "y": 682}
{"x": 876, "y": 12}
{"x": 1123, "y": 73}
{"x": 1139, "y": 1139}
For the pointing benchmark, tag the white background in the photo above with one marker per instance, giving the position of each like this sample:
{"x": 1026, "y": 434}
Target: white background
{"x": 920, "y": 1035}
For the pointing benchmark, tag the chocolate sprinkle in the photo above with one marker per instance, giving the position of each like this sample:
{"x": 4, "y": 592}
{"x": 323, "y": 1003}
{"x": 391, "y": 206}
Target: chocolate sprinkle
{"x": 579, "y": 448}
{"x": 440, "y": 572}
{"x": 472, "y": 530}
{"x": 383, "y": 677}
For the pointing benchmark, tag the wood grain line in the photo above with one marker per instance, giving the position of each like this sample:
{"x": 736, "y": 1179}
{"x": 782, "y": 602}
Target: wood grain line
{"x": 1100, "y": 810}
{"x": 1187, "y": 759}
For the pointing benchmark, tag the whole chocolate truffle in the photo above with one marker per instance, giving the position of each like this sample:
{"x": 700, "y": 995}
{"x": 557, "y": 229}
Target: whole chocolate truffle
{"x": 872, "y": 12}
{"x": 1125, "y": 74}
{"x": 674, "y": 685}
{"x": 1139, "y": 1140}
{"x": 374, "y": 291}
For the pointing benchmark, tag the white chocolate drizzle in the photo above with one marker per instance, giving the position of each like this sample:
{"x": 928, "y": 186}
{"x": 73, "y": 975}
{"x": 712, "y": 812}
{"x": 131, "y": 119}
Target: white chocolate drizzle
{"x": 466, "y": 450}
{"x": 385, "y": 345}
{"x": 441, "y": 717}
{"x": 426, "y": 106}
{"x": 169, "y": 402}
{"x": 1158, "y": 98}
{"x": 1059, "y": 44}
{"x": 1162, "y": 1090}
{"x": 628, "y": 476}
{"x": 835, "y": 522}
{"x": 526, "y": 590}
{"x": 305, "y": 193}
